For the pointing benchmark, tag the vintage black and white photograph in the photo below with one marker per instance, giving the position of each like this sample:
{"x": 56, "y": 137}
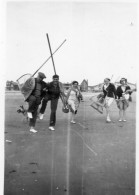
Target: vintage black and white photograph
{"x": 70, "y": 87}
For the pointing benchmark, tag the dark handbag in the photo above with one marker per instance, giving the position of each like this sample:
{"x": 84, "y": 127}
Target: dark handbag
{"x": 65, "y": 109}
{"x": 130, "y": 98}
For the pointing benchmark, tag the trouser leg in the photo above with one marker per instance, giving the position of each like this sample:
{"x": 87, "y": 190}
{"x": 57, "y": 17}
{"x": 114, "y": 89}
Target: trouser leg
{"x": 44, "y": 104}
{"x": 31, "y": 103}
{"x": 32, "y": 121}
{"x": 54, "y": 103}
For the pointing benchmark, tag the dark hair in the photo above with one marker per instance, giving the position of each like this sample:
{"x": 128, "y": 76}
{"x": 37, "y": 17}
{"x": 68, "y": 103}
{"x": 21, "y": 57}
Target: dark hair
{"x": 107, "y": 79}
{"x": 123, "y": 79}
{"x": 56, "y": 76}
{"x": 75, "y": 82}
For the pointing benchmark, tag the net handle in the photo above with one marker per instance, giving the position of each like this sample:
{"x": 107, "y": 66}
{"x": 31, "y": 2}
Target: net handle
{"x": 23, "y": 75}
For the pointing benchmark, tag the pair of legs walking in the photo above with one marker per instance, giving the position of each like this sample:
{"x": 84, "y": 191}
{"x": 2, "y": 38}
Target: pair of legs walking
{"x": 33, "y": 110}
{"x": 101, "y": 103}
{"x": 54, "y": 103}
{"x": 107, "y": 113}
{"x": 73, "y": 105}
{"x": 73, "y": 116}
{"x": 107, "y": 103}
{"x": 122, "y": 105}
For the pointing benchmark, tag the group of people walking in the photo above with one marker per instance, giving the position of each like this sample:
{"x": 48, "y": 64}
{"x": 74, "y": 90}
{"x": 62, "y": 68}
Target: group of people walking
{"x": 121, "y": 96}
{"x": 44, "y": 92}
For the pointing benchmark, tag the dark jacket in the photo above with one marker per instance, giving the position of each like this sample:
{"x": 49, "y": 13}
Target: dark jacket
{"x": 43, "y": 86}
{"x": 53, "y": 90}
{"x": 110, "y": 91}
{"x": 119, "y": 91}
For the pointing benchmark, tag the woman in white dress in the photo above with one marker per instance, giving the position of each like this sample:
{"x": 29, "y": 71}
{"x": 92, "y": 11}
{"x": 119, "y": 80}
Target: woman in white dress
{"x": 73, "y": 99}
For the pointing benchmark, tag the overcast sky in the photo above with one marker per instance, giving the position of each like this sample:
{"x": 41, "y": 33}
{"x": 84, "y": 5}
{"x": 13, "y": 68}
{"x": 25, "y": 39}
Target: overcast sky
{"x": 101, "y": 40}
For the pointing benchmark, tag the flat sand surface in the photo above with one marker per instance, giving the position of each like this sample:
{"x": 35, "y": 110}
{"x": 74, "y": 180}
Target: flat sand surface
{"x": 90, "y": 157}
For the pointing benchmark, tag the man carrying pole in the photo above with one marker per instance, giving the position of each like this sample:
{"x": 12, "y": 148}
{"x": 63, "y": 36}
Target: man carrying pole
{"x": 54, "y": 91}
{"x": 33, "y": 90}
{"x": 34, "y": 98}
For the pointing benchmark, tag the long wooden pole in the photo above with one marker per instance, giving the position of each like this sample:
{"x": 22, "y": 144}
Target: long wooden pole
{"x": 49, "y": 58}
{"x": 51, "y": 53}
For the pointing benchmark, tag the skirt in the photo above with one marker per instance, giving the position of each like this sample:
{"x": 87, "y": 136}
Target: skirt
{"x": 122, "y": 104}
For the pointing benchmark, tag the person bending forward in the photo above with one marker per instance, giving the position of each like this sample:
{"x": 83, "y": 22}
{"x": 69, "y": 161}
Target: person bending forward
{"x": 34, "y": 100}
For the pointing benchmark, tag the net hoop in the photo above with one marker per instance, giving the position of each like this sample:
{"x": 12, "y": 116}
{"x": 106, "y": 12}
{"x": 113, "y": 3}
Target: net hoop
{"x": 26, "y": 84}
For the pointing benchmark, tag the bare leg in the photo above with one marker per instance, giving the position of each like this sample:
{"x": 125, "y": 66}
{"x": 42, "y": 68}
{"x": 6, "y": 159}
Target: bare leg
{"x": 73, "y": 109}
{"x": 124, "y": 115}
{"x": 108, "y": 114}
{"x": 120, "y": 110}
{"x": 124, "y": 110}
{"x": 73, "y": 118}
{"x": 120, "y": 114}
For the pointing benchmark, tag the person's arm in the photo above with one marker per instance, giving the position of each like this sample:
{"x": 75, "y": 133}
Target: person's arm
{"x": 62, "y": 89}
{"x": 68, "y": 94}
{"x": 45, "y": 86}
{"x": 129, "y": 90}
{"x": 44, "y": 89}
{"x": 114, "y": 91}
{"x": 80, "y": 96}
{"x": 104, "y": 92}
{"x": 118, "y": 93}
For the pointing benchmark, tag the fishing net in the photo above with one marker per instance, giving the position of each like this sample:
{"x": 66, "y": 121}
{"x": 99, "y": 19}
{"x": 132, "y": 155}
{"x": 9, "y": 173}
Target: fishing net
{"x": 26, "y": 85}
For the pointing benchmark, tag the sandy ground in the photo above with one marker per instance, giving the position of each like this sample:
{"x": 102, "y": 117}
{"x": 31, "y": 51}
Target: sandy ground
{"x": 87, "y": 158}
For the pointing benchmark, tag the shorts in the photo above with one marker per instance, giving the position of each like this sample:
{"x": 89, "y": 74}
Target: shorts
{"x": 108, "y": 101}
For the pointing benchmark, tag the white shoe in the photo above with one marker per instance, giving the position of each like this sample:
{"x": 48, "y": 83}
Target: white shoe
{"x": 124, "y": 120}
{"x": 73, "y": 122}
{"x": 41, "y": 116}
{"x": 51, "y": 128}
{"x": 29, "y": 114}
{"x": 120, "y": 120}
{"x": 33, "y": 130}
{"x": 108, "y": 120}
